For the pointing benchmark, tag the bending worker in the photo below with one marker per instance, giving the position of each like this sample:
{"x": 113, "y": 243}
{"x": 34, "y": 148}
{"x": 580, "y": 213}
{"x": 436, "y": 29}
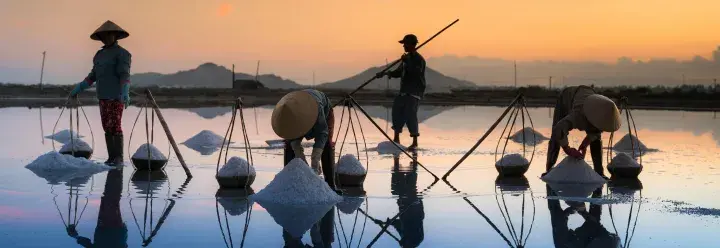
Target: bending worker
{"x": 581, "y": 108}
{"x": 306, "y": 114}
{"x": 111, "y": 75}
{"x": 412, "y": 89}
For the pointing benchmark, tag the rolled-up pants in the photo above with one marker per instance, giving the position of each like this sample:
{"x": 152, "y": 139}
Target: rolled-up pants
{"x": 554, "y": 147}
{"x": 111, "y": 112}
{"x": 404, "y": 113}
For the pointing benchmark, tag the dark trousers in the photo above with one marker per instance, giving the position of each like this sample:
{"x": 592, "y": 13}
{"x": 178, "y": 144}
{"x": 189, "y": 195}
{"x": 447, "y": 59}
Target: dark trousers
{"x": 404, "y": 112}
{"x": 327, "y": 161}
{"x": 554, "y": 147}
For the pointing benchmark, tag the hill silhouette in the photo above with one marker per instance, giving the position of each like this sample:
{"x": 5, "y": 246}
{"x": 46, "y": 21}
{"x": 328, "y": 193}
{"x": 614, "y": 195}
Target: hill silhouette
{"x": 436, "y": 82}
{"x": 208, "y": 75}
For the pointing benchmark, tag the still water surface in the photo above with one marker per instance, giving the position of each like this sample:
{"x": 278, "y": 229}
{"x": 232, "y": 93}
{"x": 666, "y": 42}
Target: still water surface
{"x": 674, "y": 203}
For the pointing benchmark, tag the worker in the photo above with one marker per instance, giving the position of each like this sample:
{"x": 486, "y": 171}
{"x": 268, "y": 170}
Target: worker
{"x": 111, "y": 76}
{"x": 110, "y": 230}
{"x": 306, "y": 114}
{"x": 412, "y": 89}
{"x": 581, "y": 108}
{"x": 590, "y": 234}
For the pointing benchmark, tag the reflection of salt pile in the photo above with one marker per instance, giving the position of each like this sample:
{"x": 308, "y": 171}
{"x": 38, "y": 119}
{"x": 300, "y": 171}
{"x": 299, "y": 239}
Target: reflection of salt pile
{"x": 296, "y": 219}
{"x": 297, "y": 184}
{"x": 236, "y": 166}
{"x": 628, "y": 142}
{"x": 622, "y": 160}
{"x": 63, "y": 136}
{"x": 350, "y": 204}
{"x": 142, "y": 153}
{"x": 57, "y": 168}
{"x": 235, "y": 205}
{"x": 531, "y": 136}
{"x": 77, "y": 145}
{"x": 350, "y": 165}
{"x": 512, "y": 160}
{"x": 387, "y": 147}
{"x": 573, "y": 178}
{"x": 206, "y": 142}
{"x": 148, "y": 187}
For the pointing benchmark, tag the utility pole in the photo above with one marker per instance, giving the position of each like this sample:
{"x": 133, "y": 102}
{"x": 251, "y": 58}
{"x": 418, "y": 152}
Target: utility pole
{"x": 515, "y": 71}
{"x": 550, "y": 89}
{"x": 257, "y": 71}
{"x": 387, "y": 79}
{"x": 313, "y": 79}
{"x": 42, "y": 70}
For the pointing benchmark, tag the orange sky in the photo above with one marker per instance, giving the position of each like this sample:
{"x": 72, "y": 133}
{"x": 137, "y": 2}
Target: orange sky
{"x": 339, "y": 38}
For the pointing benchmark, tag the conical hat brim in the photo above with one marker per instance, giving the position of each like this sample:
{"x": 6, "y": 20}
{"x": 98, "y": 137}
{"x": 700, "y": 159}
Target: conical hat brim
{"x": 110, "y": 26}
{"x": 294, "y": 115}
{"x": 602, "y": 113}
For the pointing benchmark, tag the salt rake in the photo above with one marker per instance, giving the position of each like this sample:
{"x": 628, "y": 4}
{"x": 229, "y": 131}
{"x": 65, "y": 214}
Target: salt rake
{"x": 519, "y": 109}
{"x": 634, "y": 142}
{"x": 74, "y": 130}
{"x": 148, "y": 164}
{"x": 235, "y": 181}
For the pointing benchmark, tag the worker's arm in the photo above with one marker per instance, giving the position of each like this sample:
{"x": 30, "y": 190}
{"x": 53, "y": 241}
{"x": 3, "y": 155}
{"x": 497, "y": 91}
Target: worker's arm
{"x": 320, "y": 129}
{"x": 398, "y": 72}
{"x": 560, "y": 132}
{"x": 122, "y": 69}
{"x": 589, "y": 138}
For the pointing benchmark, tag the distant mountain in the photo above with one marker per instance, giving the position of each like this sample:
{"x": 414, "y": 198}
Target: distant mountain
{"x": 208, "y": 75}
{"x": 436, "y": 82}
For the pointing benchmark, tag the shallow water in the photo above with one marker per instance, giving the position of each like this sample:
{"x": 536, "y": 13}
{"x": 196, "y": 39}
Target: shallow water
{"x": 676, "y": 206}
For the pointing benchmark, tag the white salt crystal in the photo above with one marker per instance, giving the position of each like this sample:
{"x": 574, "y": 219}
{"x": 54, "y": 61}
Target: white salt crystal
{"x": 297, "y": 184}
{"x": 296, "y": 219}
{"x": 350, "y": 165}
{"x": 236, "y": 166}
{"x": 56, "y": 168}
{"x": 387, "y": 147}
{"x": 531, "y": 136}
{"x": 573, "y": 171}
{"x": 622, "y": 160}
{"x": 204, "y": 139}
{"x": 77, "y": 145}
{"x": 513, "y": 159}
{"x": 350, "y": 204}
{"x": 628, "y": 142}
{"x": 63, "y": 136}
{"x": 235, "y": 205}
{"x": 142, "y": 153}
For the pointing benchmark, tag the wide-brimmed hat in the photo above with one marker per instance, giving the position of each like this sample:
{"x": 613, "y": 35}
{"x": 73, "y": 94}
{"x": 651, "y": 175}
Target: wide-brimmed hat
{"x": 294, "y": 115}
{"x": 110, "y": 26}
{"x": 410, "y": 39}
{"x": 602, "y": 113}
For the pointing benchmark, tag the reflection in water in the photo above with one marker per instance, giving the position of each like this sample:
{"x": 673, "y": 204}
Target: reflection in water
{"x": 73, "y": 217}
{"x": 110, "y": 230}
{"x": 235, "y": 202}
{"x": 627, "y": 187}
{"x": 410, "y": 222}
{"x": 321, "y": 232}
{"x": 515, "y": 187}
{"x": 353, "y": 199}
{"x": 590, "y": 234}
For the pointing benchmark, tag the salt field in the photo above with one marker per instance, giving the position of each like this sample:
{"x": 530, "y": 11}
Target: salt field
{"x": 674, "y": 202}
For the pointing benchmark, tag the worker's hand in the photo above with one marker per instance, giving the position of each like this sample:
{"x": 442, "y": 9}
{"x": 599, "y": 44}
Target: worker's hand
{"x": 126, "y": 94}
{"x": 297, "y": 148}
{"x": 380, "y": 74}
{"x": 315, "y": 160}
{"x": 572, "y": 152}
{"x": 584, "y": 145}
{"x": 80, "y": 87}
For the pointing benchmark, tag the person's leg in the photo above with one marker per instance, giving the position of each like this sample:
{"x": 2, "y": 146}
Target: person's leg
{"x": 328, "y": 164}
{"x": 114, "y": 125}
{"x": 597, "y": 153}
{"x": 104, "y": 115}
{"x": 398, "y": 118}
{"x": 411, "y": 110}
{"x": 289, "y": 153}
{"x": 553, "y": 146}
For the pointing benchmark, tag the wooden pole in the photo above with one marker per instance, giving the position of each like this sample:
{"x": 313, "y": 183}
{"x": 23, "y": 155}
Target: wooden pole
{"x": 42, "y": 70}
{"x": 515, "y": 73}
{"x": 164, "y": 124}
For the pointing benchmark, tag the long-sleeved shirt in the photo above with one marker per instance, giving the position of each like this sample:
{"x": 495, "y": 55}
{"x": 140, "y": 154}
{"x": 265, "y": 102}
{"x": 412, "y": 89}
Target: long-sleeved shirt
{"x": 412, "y": 75}
{"x": 111, "y": 69}
{"x": 319, "y": 131}
{"x": 573, "y": 100}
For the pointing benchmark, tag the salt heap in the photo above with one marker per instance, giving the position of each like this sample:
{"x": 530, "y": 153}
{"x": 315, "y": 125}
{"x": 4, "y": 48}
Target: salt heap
{"x": 628, "y": 142}
{"x": 206, "y": 139}
{"x": 531, "y": 136}
{"x": 236, "y": 166}
{"x": 513, "y": 159}
{"x": 573, "y": 177}
{"x": 387, "y": 147}
{"x": 623, "y": 160}
{"x": 297, "y": 184}
{"x": 57, "y": 168}
{"x": 350, "y": 204}
{"x": 63, "y": 136}
{"x": 142, "y": 153}
{"x": 76, "y": 145}
{"x": 350, "y": 165}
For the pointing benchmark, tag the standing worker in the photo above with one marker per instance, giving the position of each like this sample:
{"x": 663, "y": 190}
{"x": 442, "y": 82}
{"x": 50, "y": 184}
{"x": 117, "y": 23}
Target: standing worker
{"x": 111, "y": 71}
{"x": 306, "y": 114}
{"x": 412, "y": 89}
{"x": 581, "y": 108}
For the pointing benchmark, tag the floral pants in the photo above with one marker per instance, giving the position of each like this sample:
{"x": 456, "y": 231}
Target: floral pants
{"x": 111, "y": 115}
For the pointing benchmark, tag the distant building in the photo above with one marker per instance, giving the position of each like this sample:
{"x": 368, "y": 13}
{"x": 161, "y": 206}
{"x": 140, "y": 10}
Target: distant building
{"x": 248, "y": 84}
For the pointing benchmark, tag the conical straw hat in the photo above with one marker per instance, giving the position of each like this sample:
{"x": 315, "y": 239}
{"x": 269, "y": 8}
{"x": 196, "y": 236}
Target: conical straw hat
{"x": 294, "y": 115}
{"x": 110, "y": 26}
{"x": 602, "y": 113}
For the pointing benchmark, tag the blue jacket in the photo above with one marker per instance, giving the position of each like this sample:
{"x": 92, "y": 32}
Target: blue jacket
{"x": 111, "y": 69}
{"x": 412, "y": 75}
{"x": 319, "y": 131}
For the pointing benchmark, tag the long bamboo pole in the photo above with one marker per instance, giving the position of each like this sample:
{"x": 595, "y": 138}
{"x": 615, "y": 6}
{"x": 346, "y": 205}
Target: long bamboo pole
{"x": 164, "y": 124}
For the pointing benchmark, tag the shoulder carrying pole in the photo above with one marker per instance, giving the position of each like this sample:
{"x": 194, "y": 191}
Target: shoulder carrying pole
{"x": 156, "y": 108}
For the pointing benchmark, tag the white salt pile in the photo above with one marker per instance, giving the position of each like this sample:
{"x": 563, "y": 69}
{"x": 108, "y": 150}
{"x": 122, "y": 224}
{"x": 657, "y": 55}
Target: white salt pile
{"x": 350, "y": 165}
{"x": 350, "y": 204}
{"x": 297, "y": 184}
{"x": 142, "y": 153}
{"x": 573, "y": 171}
{"x": 296, "y": 219}
{"x": 628, "y": 142}
{"x": 236, "y": 166}
{"x": 63, "y": 136}
{"x": 235, "y": 206}
{"x": 57, "y": 168}
{"x": 513, "y": 159}
{"x": 623, "y": 160}
{"x": 531, "y": 136}
{"x": 205, "y": 138}
{"x": 77, "y": 145}
{"x": 387, "y": 147}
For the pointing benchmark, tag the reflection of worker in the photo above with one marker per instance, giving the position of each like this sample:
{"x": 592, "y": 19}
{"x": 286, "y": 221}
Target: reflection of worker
{"x": 321, "y": 233}
{"x": 305, "y": 114}
{"x": 590, "y": 234}
{"x": 412, "y": 88}
{"x": 580, "y": 108}
{"x": 110, "y": 231}
{"x": 410, "y": 222}
{"x": 111, "y": 71}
